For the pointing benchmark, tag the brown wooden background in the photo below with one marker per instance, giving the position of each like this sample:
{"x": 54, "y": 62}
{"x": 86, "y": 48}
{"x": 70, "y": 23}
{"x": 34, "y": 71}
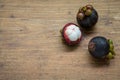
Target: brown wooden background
{"x": 31, "y": 46}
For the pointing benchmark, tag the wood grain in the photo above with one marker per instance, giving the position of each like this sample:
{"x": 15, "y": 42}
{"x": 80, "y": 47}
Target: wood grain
{"x": 31, "y": 46}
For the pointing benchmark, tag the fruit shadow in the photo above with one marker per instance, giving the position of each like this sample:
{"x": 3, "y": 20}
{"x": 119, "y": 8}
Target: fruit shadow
{"x": 98, "y": 62}
{"x": 88, "y": 31}
{"x": 70, "y": 48}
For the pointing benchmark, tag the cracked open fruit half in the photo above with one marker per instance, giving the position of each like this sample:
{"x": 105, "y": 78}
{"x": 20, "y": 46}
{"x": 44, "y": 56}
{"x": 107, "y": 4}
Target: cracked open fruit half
{"x": 71, "y": 34}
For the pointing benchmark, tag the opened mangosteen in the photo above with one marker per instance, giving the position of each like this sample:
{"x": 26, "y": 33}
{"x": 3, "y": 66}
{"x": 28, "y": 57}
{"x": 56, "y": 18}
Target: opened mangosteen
{"x": 101, "y": 48}
{"x": 71, "y": 34}
{"x": 87, "y": 17}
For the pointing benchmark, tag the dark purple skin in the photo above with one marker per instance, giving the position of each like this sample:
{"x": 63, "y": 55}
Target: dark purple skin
{"x": 98, "y": 47}
{"x": 89, "y": 21}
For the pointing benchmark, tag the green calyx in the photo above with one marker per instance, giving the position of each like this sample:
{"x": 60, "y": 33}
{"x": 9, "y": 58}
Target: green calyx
{"x": 88, "y": 12}
{"x": 110, "y": 41}
{"x": 111, "y": 53}
{"x": 85, "y": 11}
{"x": 81, "y": 16}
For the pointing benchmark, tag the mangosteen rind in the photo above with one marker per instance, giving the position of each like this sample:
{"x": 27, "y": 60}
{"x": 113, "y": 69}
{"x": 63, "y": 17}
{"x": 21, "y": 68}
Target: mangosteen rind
{"x": 101, "y": 47}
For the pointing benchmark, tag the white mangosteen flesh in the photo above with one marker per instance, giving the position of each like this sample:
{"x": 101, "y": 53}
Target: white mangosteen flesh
{"x": 73, "y": 32}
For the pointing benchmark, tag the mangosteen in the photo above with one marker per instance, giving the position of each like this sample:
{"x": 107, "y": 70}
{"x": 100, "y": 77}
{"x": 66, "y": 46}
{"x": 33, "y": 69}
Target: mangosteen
{"x": 71, "y": 34}
{"x": 101, "y": 48}
{"x": 87, "y": 17}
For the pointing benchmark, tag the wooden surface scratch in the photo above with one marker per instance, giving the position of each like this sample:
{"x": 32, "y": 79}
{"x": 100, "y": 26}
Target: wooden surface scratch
{"x": 31, "y": 46}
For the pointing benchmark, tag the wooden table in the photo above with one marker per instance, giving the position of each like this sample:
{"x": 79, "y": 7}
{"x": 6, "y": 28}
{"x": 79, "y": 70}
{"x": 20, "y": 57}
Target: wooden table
{"x": 31, "y": 46}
